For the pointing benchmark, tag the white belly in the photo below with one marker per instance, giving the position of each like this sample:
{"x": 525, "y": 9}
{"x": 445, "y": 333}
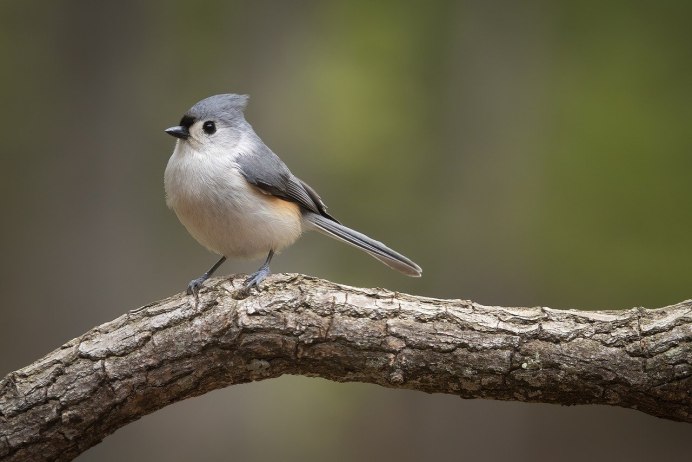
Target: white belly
{"x": 223, "y": 212}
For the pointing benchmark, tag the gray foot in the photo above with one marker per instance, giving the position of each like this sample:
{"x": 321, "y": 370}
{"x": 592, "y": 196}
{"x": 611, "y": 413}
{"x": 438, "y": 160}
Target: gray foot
{"x": 194, "y": 286}
{"x": 255, "y": 278}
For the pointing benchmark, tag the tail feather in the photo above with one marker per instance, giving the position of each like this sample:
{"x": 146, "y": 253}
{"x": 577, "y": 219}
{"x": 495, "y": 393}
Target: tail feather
{"x": 375, "y": 248}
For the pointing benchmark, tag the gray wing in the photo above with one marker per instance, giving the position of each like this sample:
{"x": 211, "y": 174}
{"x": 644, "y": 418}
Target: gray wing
{"x": 266, "y": 171}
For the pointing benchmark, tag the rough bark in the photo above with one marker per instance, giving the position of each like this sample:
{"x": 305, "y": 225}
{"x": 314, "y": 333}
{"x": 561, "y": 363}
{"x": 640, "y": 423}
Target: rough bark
{"x": 66, "y": 402}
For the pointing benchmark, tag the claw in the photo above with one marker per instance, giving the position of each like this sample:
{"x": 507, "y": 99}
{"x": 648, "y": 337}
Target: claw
{"x": 256, "y": 278}
{"x": 260, "y": 275}
{"x": 194, "y": 286}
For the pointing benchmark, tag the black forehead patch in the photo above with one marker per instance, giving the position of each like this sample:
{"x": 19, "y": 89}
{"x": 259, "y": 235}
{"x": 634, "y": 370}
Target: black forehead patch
{"x": 187, "y": 121}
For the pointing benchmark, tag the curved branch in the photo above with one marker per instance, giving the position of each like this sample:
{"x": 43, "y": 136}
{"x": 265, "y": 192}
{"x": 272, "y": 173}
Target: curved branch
{"x": 167, "y": 351}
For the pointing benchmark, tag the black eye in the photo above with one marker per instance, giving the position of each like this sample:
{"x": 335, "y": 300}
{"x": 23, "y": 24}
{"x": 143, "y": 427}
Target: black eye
{"x": 209, "y": 127}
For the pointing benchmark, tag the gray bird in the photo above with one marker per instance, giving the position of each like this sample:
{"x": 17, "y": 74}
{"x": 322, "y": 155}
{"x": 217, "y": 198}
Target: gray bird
{"x": 239, "y": 200}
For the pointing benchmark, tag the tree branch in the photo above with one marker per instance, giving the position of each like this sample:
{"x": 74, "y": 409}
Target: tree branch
{"x": 164, "y": 352}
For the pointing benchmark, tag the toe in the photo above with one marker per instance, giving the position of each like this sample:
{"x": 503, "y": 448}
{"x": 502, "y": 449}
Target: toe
{"x": 255, "y": 279}
{"x": 251, "y": 282}
{"x": 193, "y": 287}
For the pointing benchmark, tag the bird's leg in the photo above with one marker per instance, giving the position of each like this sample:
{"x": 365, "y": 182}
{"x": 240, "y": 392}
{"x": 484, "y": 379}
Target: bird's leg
{"x": 196, "y": 284}
{"x": 260, "y": 275}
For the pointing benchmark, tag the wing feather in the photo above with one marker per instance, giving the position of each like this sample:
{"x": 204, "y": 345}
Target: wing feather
{"x": 265, "y": 170}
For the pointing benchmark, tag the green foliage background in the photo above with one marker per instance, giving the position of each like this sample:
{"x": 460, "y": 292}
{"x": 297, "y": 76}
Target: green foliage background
{"x": 524, "y": 153}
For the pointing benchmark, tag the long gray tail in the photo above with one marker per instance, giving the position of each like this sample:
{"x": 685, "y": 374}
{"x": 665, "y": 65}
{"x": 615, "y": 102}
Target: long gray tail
{"x": 375, "y": 248}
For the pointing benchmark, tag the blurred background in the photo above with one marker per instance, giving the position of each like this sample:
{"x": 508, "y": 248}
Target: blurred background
{"x": 523, "y": 153}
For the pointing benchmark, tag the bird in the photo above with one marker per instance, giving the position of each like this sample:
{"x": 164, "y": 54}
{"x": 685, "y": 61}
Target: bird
{"x": 238, "y": 199}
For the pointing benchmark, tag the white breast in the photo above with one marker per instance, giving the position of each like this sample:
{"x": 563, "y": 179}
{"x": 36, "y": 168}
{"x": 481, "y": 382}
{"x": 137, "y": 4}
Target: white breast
{"x": 222, "y": 211}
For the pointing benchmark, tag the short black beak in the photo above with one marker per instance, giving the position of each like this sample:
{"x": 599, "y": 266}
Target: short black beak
{"x": 179, "y": 132}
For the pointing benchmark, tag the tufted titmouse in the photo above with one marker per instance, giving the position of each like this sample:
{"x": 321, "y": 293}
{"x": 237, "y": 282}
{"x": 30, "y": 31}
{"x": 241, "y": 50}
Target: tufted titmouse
{"x": 239, "y": 200}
